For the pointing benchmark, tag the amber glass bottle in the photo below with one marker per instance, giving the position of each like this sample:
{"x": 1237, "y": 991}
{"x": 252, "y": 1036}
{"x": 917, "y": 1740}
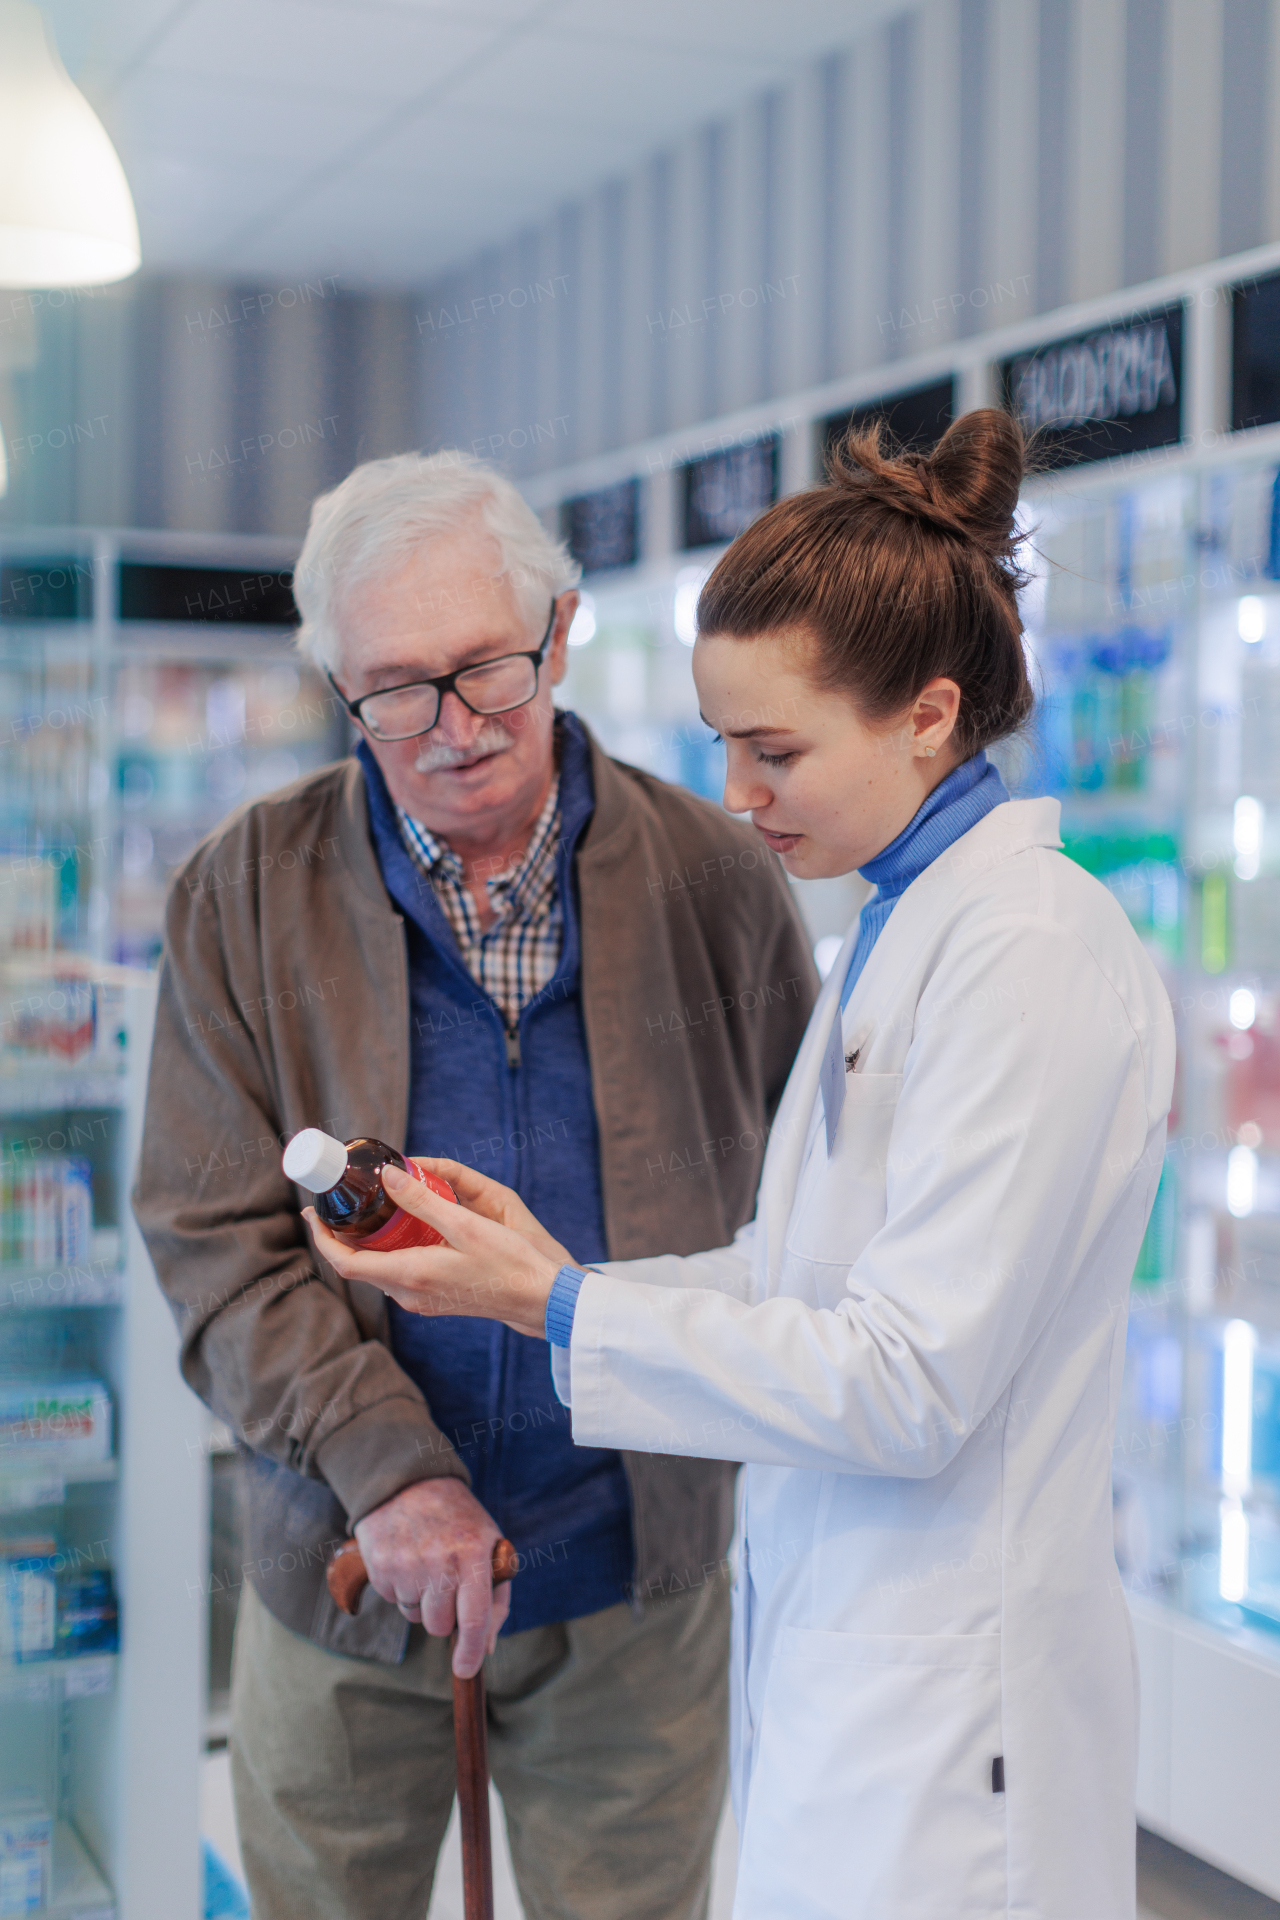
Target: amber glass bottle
{"x": 347, "y": 1183}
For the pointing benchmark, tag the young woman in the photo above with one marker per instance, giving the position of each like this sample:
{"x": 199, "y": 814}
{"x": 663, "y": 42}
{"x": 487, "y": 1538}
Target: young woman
{"x": 916, "y": 1346}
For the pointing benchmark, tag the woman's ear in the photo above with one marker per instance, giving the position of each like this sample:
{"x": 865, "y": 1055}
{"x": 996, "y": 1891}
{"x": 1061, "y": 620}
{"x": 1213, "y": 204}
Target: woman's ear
{"x": 933, "y": 717}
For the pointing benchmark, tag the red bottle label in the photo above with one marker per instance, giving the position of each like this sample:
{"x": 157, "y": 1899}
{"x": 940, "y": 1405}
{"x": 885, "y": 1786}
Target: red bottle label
{"x": 403, "y": 1229}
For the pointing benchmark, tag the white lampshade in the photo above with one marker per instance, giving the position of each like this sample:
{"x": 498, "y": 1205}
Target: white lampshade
{"x": 66, "y": 214}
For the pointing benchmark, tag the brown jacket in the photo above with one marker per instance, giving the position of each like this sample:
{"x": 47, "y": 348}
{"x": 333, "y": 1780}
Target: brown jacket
{"x": 284, "y": 1004}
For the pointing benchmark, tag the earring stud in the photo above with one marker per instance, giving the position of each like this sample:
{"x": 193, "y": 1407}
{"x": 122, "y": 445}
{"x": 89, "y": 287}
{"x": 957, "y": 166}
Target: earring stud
{"x": 929, "y": 752}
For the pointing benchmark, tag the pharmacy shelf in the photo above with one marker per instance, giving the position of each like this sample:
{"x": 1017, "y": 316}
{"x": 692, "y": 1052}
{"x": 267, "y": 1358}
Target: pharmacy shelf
{"x": 47, "y": 1682}
{"x": 79, "y": 1890}
{"x": 121, "y": 1770}
{"x": 36, "y": 1485}
{"x": 96, "y": 1283}
{"x": 50, "y": 1086}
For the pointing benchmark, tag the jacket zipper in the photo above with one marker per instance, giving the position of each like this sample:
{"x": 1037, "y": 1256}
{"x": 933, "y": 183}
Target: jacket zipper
{"x": 497, "y": 1461}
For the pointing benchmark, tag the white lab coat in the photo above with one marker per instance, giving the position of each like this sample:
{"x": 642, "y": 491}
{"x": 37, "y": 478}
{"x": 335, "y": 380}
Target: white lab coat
{"x": 917, "y": 1347}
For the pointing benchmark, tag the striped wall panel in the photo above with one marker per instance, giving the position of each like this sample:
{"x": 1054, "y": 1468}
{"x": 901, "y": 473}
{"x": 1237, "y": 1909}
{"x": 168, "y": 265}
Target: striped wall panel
{"x": 961, "y": 166}
{"x": 205, "y": 407}
{"x": 964, "y": 165}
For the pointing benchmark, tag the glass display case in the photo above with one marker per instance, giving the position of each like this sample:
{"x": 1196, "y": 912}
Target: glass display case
{"x": 194, "y": 738}
{"x": 630, "y": 649}
{"x": 101, "y": 1488}
{"x": 1155, "y": 622}
{"x": 62, "y": 1088}
{"x": 126, "y": 734}
{"x": 148, "y": 684}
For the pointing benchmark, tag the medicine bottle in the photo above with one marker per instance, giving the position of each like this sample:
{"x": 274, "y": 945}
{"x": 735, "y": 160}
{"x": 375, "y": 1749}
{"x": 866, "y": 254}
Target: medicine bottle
{"x": 347, "y": 1183}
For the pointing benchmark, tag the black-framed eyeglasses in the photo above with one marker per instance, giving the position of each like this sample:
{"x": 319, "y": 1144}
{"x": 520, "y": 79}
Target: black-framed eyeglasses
{"x": 488, "y": 687}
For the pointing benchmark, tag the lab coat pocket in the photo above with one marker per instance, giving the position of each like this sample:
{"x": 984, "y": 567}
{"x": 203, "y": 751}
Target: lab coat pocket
{"x": 840, "y": 1201}
{"x": 871, "y": 1790}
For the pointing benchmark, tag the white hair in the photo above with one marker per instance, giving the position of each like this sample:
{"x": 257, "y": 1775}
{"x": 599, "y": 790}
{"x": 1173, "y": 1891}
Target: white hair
{"x": 382, "y": 511}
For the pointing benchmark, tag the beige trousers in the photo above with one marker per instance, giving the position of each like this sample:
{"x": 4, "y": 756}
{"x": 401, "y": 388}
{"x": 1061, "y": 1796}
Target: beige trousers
{"x": 607, "y": 1742}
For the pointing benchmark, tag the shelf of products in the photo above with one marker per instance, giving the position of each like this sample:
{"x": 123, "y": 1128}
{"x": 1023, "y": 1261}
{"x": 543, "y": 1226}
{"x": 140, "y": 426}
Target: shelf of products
{"x": 60, "y": 1236}
{"x": 101, "y": 1487}
{"x": 1154, "y": 618}
{"x": 195, "y": 739}
{"x": 629, "y": 676}
{"x": 148, "y": 684}
{"x": 45, "y": 1866}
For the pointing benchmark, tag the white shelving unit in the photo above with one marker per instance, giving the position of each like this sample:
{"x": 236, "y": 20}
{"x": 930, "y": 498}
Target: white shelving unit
{"x": 1207, "y": 1750}
{"x": 110, "y": 1742}
{"x": 148, "y": 683}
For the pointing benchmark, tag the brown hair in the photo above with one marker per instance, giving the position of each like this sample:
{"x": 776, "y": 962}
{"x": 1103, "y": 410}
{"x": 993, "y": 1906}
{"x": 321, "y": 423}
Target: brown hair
{"x": 903, "y": 568}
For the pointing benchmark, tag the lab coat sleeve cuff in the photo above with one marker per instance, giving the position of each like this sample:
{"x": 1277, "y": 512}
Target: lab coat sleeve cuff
{"x": 562, "y": 1375}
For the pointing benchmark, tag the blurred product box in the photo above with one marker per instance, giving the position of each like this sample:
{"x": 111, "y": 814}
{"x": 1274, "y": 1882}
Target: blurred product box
{"x": 28, "y": 905}
{"x": 88, "y": 1614}
{"x": 1251, "y": 1090}
{"x": 26, "y": 1848}
{"x": 55, "y": 1015}
{"x": 28, "y": 1607}
{"x": 46, "y": 1212}
{"x": 62, "y": 1423}
{"x": 52, "y": 1607}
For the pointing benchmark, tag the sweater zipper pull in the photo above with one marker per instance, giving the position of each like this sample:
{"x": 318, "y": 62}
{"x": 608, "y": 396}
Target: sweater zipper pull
{"x": 513, "y": 1048}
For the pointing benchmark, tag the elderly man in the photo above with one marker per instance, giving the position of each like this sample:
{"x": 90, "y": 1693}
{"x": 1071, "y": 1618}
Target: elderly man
{"x": 479, "y": 938}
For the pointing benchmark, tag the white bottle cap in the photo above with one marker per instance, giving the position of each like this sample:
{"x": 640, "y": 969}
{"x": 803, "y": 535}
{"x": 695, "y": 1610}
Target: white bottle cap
{"x": 315, "y": 1160}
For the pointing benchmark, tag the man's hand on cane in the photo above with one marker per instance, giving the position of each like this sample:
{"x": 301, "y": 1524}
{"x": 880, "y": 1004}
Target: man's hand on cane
{"x": 429, "y": 1551}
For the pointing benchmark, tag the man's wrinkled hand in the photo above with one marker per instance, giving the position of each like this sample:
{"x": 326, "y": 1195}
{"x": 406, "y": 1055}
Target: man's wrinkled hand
{"x": 429, "y": 1551}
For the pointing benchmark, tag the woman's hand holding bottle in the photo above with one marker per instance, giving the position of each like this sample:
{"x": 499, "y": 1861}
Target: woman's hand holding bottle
{"x": 497, "y": 1262}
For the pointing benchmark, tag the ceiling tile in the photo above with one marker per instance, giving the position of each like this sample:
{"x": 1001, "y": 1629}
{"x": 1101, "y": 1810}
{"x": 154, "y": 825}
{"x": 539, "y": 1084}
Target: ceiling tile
{"x": 649, "y": 91}
{"x": 109, "y": 37}
{"x": 380, "y": 52}
{"x": 183, "y": 211}
{"x": 189, "y": 114}
{"x": 494, "y": 13}
{"x": 382, "y": 141}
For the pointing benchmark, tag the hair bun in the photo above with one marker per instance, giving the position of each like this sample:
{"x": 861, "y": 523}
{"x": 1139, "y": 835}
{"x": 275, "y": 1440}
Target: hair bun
{"x": 968, "y": 486}
{"x": 899, "y": 571}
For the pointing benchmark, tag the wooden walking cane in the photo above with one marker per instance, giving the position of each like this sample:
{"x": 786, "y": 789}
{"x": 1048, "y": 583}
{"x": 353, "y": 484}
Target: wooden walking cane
{"x": 347, "y": 1578}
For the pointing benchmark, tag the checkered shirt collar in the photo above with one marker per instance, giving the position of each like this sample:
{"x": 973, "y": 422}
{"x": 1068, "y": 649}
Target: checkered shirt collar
{"x": 522, "y": 888}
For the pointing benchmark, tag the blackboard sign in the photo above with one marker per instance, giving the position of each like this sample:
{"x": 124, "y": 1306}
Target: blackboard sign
{"x": 1255, "y": 353}
{"x": 917, "y": 418}
{"x": 60, "y": 589}
{"x": 186, "y": 596}
{"x": 725, "y": 492}
{"x": 1115, "y": 390}
{"x": 603, "y": 528}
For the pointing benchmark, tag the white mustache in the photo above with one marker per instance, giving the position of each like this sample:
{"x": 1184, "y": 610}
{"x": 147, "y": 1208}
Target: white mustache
{"x": 438, "y": 753}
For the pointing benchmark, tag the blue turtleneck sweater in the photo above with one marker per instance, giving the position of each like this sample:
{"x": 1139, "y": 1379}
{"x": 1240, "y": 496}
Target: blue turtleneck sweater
{"x": 956, "y": 804}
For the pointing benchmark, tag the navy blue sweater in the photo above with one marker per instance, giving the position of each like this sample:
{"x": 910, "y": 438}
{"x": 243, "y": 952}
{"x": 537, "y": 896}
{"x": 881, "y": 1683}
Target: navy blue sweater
{"x": 530, "y": 1123}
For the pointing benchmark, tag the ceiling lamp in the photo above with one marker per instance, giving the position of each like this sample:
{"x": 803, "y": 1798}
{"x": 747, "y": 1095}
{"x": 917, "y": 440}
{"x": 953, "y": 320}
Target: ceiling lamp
{"x": 66, "y": 214}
